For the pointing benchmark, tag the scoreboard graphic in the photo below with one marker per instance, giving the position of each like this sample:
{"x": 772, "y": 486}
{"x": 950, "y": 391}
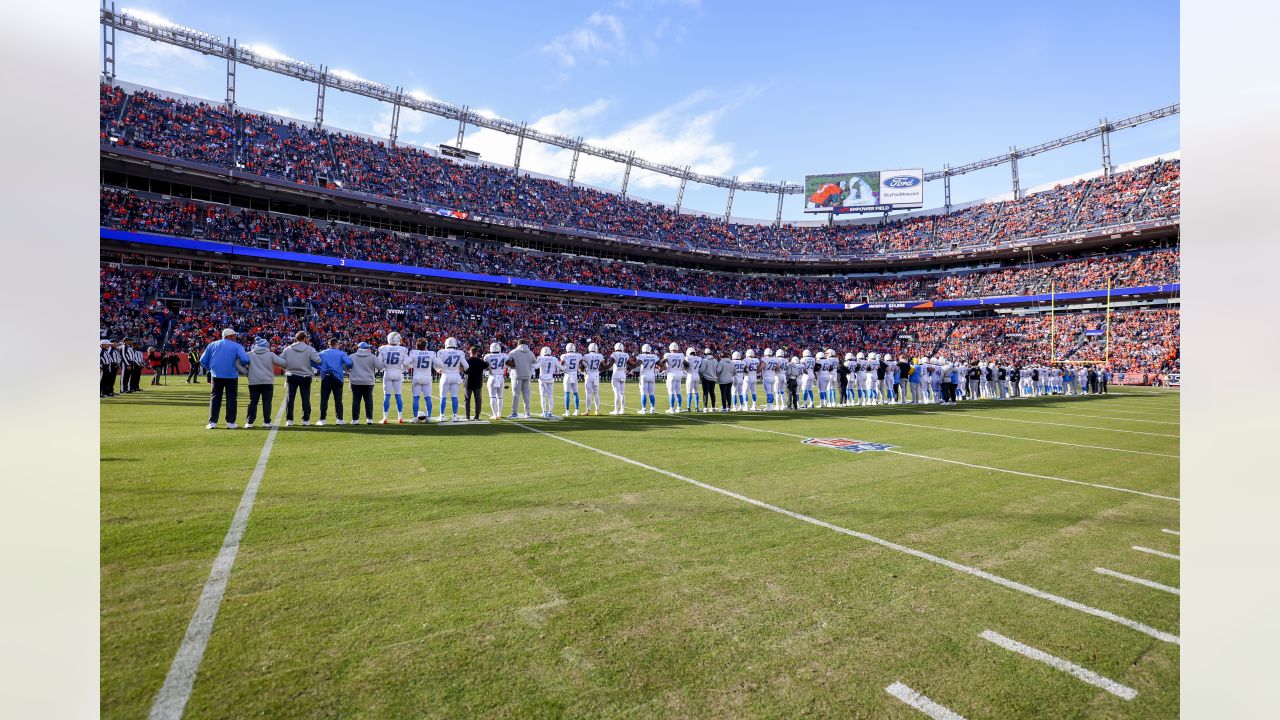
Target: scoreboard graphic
{"x": 871, "y": 191}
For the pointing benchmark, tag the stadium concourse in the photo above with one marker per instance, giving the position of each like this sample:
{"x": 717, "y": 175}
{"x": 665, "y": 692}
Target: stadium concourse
{"x": 927, "y": 466}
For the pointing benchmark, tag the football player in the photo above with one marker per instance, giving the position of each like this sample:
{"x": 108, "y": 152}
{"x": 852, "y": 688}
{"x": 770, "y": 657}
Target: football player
{"x": 673, "y": 362}
{"x": 592, "y": 362}
{"x": 751, "y": 364}
{"x": 548, "y": 365}
{"x": 395, "y": 356}
{"x": 648, "y": 363}
{"x": 571, "y": 360}
{"x": 496, "y": 361}
{"x": 450, "y": 361}
{"x": 621, "y": 363}
{"x": 421, "y": 362}
{"x": 692, "y": 381}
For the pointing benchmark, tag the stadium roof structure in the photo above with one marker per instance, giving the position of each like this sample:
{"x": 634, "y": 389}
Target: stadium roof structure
{"x": 158, "y": 29}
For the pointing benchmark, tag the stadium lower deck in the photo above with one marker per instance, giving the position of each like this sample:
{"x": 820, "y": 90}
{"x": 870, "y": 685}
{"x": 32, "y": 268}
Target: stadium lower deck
{"x": 639, "y": 566}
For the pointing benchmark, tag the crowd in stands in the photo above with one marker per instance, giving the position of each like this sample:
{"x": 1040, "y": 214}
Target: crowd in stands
{"x": 210, "y": 134}
{"x": 1141, "y": 340}
{"x": 130, "y": 211}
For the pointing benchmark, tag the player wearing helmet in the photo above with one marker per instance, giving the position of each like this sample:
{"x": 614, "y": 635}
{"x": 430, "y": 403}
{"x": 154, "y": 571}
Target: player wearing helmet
{"x": 673, "y": 363}
{"x": 621, "y": 364}
{"x": 751, "y": 366}
{"x": 571, "y": 361}
{"x": 421, "y": 363}
{"x": 395, "y": 356}
{"x": 693, "y": 363}
{"x": 806, "y": 380}
{"x": 496, "y": 361}
{"x": 592, "y": 362}
{"x": 739, "y": 378}
{"x": 648, "y": 363}
{"x": 769, "y": 376}
{"x": 451, "y": 363}
{"x": 548, "y": 366}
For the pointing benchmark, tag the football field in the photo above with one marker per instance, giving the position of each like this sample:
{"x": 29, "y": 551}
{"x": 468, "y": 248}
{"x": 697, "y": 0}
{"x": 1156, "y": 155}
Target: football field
{"x": 1012, "y": 559}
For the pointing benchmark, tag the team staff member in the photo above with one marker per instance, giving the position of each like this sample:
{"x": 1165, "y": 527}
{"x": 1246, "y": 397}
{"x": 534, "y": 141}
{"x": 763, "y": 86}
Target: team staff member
{"x": 521, "y": 362}
{"x": 364, "y": 365}
{"x": 193, "y": 359}
{"x": 724, "y": 376}
{"x": 474, "y": 376}
{"x": 224, "y": 358}
{"x": 262, "y": 380}
{"x": 794, "y": 370}
{"x": 710, "y": 372}
{"x": 333, "y": 364}
{"x": 300, "y": 361}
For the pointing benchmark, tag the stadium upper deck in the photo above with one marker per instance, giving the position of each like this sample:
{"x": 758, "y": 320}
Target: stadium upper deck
{"x": 210, "y": 135}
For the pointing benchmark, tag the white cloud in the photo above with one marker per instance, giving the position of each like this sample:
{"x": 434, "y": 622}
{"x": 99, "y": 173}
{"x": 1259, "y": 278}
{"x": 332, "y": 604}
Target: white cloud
{"x": 600, "y": 35}
{"x": 682, "y": 134}
{"x": 136, "y": 52}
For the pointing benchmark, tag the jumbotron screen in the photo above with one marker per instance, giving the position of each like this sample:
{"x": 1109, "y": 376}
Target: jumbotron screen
{"x": 872, "y": 191}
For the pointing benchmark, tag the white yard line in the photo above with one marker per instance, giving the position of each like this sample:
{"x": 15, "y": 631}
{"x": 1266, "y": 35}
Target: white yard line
{"x": 958, "y": 462}
{"x": 1140, "y": 581}
{"x": 1158, "y": 553}
{"x": 922, "y": 703}
{"x": 1099, "y": 417}
{"x": 975, "y": 572}
{"x": 1171, "y": 532}
{"x": 1042, "y": 422}
{"x": 171, "y": 701}
{"x": 1066, "y": 666}
{"x": 999, "y": 435}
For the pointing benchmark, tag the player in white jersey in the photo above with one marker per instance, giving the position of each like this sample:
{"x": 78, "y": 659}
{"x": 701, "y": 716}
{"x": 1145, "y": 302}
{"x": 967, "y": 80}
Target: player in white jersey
{"x": 496, "y": 361}
{"x": 648, "y": 363}
{"x": 780, "y": 379}
{"x": 751, "y": 366}
{"x": 621, "y": 362}
{"x": 673, "y": 362}
{"x": 693, "y": 363}
{"x": 450, "y": 362}
{"x": 421, "y": 362}
{"x": 822, "y": 376}
{"x": 548, "y": 365}
{"x": 859, "y": 379}
{"x": 571, "y": 361}
{"x": 769, "y": 376}
{"x": 592, "y": 363}
{"x": 806, "y": 380}
{"x": 890, "y": 385}
{"x": 395, "y": 356}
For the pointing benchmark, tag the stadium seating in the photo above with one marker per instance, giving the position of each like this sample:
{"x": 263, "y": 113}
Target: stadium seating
{"x": 133, "y": 305}
{"x": 130, "y": 211}
{"x": 211, "y": 135}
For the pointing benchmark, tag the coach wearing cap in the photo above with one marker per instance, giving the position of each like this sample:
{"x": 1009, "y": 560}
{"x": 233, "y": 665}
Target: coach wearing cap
{"x": 224, "y": 358}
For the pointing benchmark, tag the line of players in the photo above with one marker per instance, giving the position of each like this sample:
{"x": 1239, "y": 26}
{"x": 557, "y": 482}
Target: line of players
{"x": 746, "y": 382}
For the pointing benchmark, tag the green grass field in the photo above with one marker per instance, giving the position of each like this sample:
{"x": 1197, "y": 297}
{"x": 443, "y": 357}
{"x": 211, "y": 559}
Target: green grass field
{"x": 495, "y": 571}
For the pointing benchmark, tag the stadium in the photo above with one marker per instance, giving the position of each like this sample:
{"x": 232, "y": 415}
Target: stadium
{"x": 619, "y": 457}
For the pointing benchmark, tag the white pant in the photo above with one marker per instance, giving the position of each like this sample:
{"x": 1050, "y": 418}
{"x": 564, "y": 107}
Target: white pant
{"x": 744, "y": 386}
{"x": 647, "y": 386}
{"x": 619, "y": 383}
{"x": 592, "y": 383}
{"x": 547, "y": 395}
{"x": 392, "y": 387}
{"x": 495, "y": 395}
{"x": 691, "y": 385}
{"x": 421, "y": 389}
{"x": 448, "y": 388}
{"x": 675, "y": 381}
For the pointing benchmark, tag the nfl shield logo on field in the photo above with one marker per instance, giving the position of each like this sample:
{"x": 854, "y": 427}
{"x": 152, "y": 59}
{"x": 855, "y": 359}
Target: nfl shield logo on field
{"x": 847, "y": 445}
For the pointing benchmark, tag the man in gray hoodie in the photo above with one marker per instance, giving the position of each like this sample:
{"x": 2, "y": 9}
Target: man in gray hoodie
{"x": 364, "y": 364}
{"x": 262, "y": 380}
{"x": 724, "y": 377}
{"x": 521, "y": 362}
{"x": 300, "y": 362}
{"x": 709, "y": 370}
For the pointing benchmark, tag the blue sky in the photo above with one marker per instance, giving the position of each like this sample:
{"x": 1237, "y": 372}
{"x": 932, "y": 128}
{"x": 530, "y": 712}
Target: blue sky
{"x": 759, "y": 90}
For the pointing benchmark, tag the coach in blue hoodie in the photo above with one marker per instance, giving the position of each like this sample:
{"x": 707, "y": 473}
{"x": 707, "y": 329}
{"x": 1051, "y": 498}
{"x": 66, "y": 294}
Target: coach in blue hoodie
{"x": 333, "y": 364}
{"x": 225, "y": 360}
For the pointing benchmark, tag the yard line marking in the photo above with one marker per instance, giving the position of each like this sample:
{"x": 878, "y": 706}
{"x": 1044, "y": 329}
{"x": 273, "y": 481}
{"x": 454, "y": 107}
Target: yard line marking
{"x": 922, "y": 703}
{"x": 172, "y": 699}
{"x": 1138, "y": 580}
{"x": 1004, "y": 582}
{"x": 1045, "y": 422}
{"x": 1171, "y": 532}
{"x": 958, "y": 462}
{"x": 1160, "y": 553}
{"x": 1089, "y": 676}
{"x": 1011, "y": 437}
{"x": 1100, "y": 417}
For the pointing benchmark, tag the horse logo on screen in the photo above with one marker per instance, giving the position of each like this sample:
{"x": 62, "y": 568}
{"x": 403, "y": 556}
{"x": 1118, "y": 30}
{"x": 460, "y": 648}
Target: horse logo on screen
{"x": 847, "y": 445}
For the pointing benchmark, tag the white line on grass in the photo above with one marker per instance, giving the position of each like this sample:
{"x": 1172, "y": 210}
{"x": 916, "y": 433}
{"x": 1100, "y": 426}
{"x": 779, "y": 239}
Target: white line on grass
{"x": 1099, "y": 417}
{"x": 1160, "y": 553}
{"x": 172, "y": 699}
{"x": 1089, "y": 676}
{"x": 1171, "y": 532}
{"x": 1004, "y": 582}
{"x": 999, "y": 435}
{"x": 1141, "y": 581}
{"x": 1044, "y": 422}
{"x": 958, "y": 462}
{"x": 922, "y": 703}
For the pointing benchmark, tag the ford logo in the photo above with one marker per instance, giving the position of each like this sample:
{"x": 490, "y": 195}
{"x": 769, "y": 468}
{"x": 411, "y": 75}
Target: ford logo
{"x": 901, "y": 181}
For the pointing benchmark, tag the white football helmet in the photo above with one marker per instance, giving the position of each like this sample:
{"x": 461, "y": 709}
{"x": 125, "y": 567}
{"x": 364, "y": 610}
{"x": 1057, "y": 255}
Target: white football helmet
{"x": 673, "y": 347}
{"x": 495, "y": 347}
{"x": 691, "y": 351}
{"x": 593, "y": 348}
{"x": 795, "y": 359}
{"x": 848, "y": 356}
{"x": 768, "y": 352}
{"x": 808, "y": 353}
{"x": 862, "y": 356}
{"x": 751, "y": 353}
{"x": 545, "y": 351}
{"x": 617, "y": 346}
{"x": 706, "y": 351}
{"x": 451, "y": 342}
{"x": 571, "y": 348}
{"x": 737, "y": 355}
{"x": 645, "y": 348}
{"x": 831, "y": 353}
{"x": 393, "y": 337}
{"x": 888, "y": 358}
